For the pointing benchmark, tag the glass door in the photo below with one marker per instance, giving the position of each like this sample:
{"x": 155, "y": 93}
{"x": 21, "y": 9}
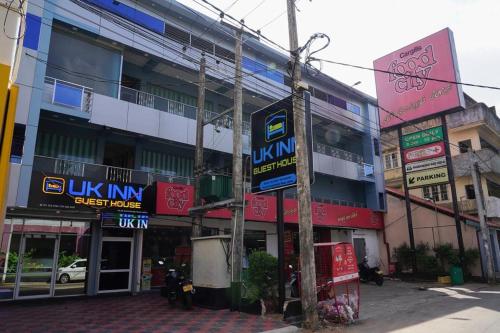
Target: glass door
{"x": 36, "y": 265}
{"x": 116, "y": 264}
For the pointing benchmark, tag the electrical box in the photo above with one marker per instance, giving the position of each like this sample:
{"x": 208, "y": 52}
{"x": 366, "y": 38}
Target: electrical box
{"x": 215, "y": 188}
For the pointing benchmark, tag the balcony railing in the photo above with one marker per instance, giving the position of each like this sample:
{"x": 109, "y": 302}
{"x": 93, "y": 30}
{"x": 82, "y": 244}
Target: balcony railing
{"x": 338, "y": 153}
{"x": 98, "y": 171}
{"x": 67, "y": 94}
{"x": 174, "y": 107}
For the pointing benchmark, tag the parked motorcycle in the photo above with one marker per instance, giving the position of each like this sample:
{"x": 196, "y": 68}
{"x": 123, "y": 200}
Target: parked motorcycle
{"x": 178, "y": 287}
{"x": 367, "y": 273}
{"x": 294, "y": 282}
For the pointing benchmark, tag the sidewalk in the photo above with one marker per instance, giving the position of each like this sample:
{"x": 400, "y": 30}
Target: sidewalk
{"x": 142, "y": 313}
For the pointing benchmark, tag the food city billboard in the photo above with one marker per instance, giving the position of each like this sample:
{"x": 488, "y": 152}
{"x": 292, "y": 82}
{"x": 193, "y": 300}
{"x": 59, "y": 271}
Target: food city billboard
{"x": 424, "y": 152}
{"x": 427, "y": 177}
{"x": 403, "y": 82}
{"x": 72, "y": 192}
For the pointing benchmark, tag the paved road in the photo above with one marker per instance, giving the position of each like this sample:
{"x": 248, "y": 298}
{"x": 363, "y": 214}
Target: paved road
{"x": 402, "y": 307}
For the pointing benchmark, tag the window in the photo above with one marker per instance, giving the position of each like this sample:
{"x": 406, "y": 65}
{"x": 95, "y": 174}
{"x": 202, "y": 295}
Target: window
{"x": 16, "y": 152}
{"x": 391, "y": 160}
{"x": 177, "y": 34}
{"x": 436, "y": 192}
{"x": 376, "y": 147}
{"x": 381, "y": 201}
{"x": 320, "y": 94}
{"x": 469, "y": 192}
{"x": 202, "y": 44}
{"x": 464, "y": 146}
{"x": 224, "y": 54}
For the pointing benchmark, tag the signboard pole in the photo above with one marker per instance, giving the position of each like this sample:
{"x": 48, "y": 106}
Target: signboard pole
{"x": 280, "y": 227}
{"x": 407, "y": 202}
{"x": 453, "y": 188}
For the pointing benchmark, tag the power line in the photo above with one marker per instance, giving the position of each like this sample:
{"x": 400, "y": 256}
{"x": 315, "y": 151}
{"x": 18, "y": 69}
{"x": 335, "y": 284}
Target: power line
{"x": 253, "y": 9}
{"x": 406, "y": 74}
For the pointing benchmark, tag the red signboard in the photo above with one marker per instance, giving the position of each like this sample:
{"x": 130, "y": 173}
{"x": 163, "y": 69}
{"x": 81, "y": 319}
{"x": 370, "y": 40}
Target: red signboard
{"x": 344, "y": 260}
{"x": 403, "y": 85}
{"x": 424, "y": 152}
{"x": 173, "y": 199}
{"x": 176, "y": 199}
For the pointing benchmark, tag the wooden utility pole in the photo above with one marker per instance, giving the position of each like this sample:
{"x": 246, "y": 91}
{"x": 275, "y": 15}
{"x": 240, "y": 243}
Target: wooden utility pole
{"x": 198, "y": 157}
{"x": 485, "y": 234}
{"x": 306, "y": 259}
{"x": 237, "y": 209}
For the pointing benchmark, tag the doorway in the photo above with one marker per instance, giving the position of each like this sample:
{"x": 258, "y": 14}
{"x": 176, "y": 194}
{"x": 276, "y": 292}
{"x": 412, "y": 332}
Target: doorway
{"x": 37, "y": 266}
{"x": 115, "y": 273}
{"x": 359, "y": 248}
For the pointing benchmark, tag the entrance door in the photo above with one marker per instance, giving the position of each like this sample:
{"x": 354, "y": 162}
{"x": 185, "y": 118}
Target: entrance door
{"x": 116, "y": 264}
{"x": 360, "y": 248}
{"x": 37, "y": 261}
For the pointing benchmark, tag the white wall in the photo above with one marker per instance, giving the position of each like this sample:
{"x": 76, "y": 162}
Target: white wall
{"x": 371, "y": 241}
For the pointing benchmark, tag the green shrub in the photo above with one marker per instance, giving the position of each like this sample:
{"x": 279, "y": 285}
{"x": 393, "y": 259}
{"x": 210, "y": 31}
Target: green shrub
{"x": 262, "y": 276}
{"x": 66, "y": 260}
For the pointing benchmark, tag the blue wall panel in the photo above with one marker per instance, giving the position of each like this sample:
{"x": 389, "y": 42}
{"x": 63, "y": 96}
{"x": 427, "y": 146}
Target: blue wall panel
{"x": 131, "y": 14}
{"x": 32, "y": 34}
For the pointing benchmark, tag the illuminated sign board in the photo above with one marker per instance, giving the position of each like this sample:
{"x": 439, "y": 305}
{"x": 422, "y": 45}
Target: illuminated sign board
{"x": 404, "y": 85}
{"x": 273, "y": 161}
{"x": 71, "y": 192}
{"x": 124, "y": 220}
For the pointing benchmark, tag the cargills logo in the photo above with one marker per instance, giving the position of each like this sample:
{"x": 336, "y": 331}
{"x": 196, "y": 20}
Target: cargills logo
{"x": 53, "y": 185}
{"x": 276, "y": 126}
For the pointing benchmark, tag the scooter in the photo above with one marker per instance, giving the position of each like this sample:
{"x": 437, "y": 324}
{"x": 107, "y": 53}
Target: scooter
{"x": 178, "y": 287}
{"x": 367, "y": 273}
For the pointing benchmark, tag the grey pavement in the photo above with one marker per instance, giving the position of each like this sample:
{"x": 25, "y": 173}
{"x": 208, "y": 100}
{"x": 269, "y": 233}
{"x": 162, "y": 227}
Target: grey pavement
{"x": 404, "y": 307}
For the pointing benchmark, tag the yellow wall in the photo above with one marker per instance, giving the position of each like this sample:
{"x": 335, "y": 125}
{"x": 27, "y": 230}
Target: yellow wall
{"x": 425, "y": 228}
{"x": 462, "y": 134}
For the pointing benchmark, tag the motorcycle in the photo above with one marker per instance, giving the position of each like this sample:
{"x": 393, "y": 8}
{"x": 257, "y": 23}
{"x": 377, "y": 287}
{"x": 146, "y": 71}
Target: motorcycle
{"x": 178, "y": 287}
{"x": 367, "y": 273}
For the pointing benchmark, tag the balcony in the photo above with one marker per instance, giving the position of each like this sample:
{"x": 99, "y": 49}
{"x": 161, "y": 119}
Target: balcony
{"x": 489, "y": 163}
{"x": 173, "y": 107}
{"x": 69, "y": 95}
{"x": 338, "y": 153}
{"x": 98, "y": 171}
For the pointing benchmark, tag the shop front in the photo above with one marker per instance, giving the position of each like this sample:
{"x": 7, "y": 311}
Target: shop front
{"x": 78, "y": 236}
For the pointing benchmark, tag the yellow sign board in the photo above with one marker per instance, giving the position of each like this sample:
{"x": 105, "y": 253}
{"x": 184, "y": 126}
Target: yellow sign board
{"x": 427, "y": 177}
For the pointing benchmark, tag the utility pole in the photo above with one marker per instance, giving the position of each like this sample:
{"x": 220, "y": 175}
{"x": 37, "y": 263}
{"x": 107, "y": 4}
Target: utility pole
{"x": 306, "y": 258}
{"x": 198, "y": 157}
{"x": 237, "y": 209}
{"x": 485, "y": 234}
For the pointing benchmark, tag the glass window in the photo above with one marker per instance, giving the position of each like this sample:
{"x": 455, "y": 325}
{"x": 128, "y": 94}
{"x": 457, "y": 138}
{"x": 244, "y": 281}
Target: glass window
{"x": 16, "y": 152}
{"x": 76, "y": 59}
{"x": 443, "y": 188}
{"x": 464, "y": 146}
{"x": 376, "y": 147}
{"x": 426, "y": 192}
{"x": 469, "y": 192}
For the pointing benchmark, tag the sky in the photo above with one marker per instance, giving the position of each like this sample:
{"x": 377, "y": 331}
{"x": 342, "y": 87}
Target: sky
{"x": 362, "y": 31}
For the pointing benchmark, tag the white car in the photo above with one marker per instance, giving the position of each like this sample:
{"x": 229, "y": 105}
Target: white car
{"x": 74, "y": 272}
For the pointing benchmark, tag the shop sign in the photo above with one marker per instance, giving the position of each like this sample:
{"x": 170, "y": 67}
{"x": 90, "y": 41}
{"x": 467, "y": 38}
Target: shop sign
{"x": 424, "y": 152}
{"x": 427, "y": 177}
{"x": 344, "y": 262}
{"x": 174, "y": 199}
{"x": 124, "y": 220}
{"x": 426, "y": 164}
{"x": 273, "y": 147}
{"x": 422, "y": 137}
{"x": 71, "y": 192}
{"x": 404, "y": 89}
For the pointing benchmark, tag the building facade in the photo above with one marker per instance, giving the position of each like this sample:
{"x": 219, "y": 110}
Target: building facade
{"x": 102, "y": 161}
{"x": 477, "y": 127}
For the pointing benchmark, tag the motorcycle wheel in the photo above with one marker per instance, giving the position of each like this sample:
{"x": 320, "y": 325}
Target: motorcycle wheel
{"x": 379, "y": 281}
{"x": 188, "y": 301}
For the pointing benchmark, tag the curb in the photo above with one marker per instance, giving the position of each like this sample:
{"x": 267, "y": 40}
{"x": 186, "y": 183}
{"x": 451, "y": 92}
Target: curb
{"x": 287, "y": 329}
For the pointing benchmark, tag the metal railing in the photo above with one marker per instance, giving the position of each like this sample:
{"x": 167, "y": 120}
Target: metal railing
{"x": 338, "y": 153}
{"x": 99, "y": 171}
{"x": 67, "y": 94}
{"x": 173, "y": 107}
